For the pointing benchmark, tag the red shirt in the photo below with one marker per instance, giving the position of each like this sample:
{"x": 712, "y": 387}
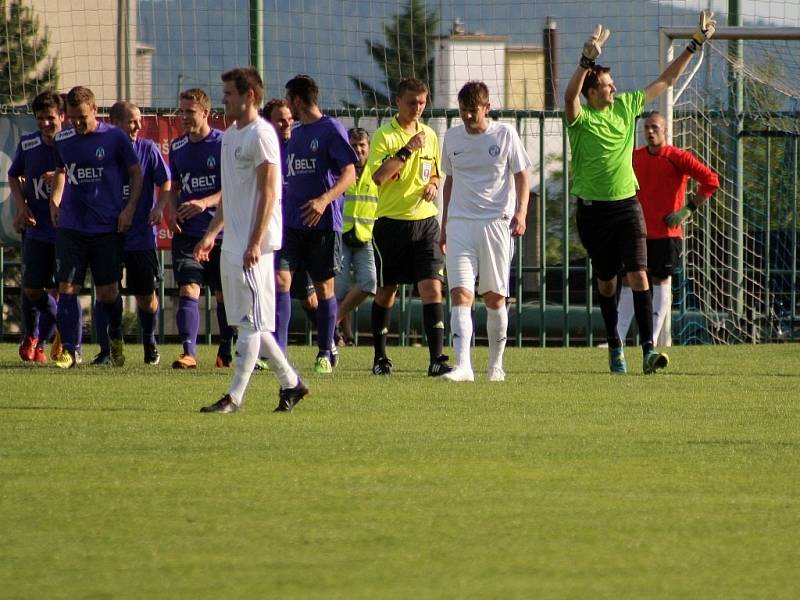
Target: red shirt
{"x": 662, "y": 180}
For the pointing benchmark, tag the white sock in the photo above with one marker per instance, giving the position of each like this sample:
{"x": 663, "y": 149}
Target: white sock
{"x": 277, "y": 361}
{"x": 461, "y": 326}
{"x": 624, "y": 312}
{"x": 247, "y": 348}
{"x": 661, "y": 307}
{"x": 496, "y": 330}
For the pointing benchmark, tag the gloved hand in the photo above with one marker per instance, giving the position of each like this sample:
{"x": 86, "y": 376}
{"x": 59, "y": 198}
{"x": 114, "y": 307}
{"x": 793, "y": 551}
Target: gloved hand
{"x": 594, "y": 46}
{"x": 705, "y": 29}
{"x": 678, "y": 217}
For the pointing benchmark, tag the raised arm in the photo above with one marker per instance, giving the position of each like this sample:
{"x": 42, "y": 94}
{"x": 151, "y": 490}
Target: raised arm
{"x": 591, "y": 50}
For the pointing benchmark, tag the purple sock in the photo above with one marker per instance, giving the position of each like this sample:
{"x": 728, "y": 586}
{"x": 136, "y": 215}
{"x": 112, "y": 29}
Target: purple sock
{"x": 114, "y": 311}
{"x": 147, "y": 321}
{"x": 101, "y": 326}
{"x": 47, "y": 307}
{"x": 188, "y": 319}
{"x": 326, "y": 323}
{"x": 69, "y": 321}
{"x": 29, "y": 314}
{"x": 283, "y": 314}
{"x": 226, "y": 332}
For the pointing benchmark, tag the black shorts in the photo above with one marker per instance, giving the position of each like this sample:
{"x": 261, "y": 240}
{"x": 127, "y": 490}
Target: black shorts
{"x": 187, "y": 270}
{"x": 614, "y": 235}
{"x": 142, "y": 272}
{"x": 319, "y": 252}
{"x": 38, "y": 264}
{"x": 663, "y": 256}
{"x": 75, "y": 251}
{"x": 407, "y": 251}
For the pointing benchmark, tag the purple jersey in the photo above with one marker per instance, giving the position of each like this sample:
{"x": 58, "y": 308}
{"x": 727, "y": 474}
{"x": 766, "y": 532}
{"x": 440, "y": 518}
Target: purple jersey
{"x": 32, "y": 160}
{"x": 195, "y": 174}
{"x": 284, "y": 183}
{"x": 96, "y": 166}
{"x": 316, "y": 155}
{"x": 142, "y": 235}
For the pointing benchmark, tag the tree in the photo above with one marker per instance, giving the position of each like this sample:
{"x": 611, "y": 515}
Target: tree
{"x": 25, "y": 65}
{"x": 407, "y": 53}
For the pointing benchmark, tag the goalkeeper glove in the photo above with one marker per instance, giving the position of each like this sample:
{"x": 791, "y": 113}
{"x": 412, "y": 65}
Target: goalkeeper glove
{"x": 705, "y": 29}
{"x": 679, "y": 216}
{"x": 594, "y": 46}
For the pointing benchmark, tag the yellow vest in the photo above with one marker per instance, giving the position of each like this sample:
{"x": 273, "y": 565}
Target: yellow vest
{"x": 360, "y": 204}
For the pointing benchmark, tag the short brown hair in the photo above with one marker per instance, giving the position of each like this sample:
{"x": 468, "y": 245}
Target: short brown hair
{"x": 357, "y": 133}
{"x": 474, "y": 93}
{"x": 271, "y": 105}
{"x": 197, "y": 95}
{"x": 246, "y": 79}
{"x": 80, "y": 95}
{"x": 119, "y": 111}
{"x": 303, "y": 87}
{"x": 411, "y": 84}
{"x": 47, "y": 100}
{"x": 590, "y": 82}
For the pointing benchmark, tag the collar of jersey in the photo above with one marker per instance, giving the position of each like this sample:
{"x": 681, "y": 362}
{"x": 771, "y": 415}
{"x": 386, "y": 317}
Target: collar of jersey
{"x": 396, "y": 125}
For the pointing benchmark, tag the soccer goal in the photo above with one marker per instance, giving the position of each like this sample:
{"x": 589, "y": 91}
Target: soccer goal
{"x": 738, "y": 110}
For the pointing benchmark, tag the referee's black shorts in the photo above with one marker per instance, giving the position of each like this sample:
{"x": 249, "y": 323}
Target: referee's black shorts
{"x": 407, "y": 251}
{"x": 614, "y": 235}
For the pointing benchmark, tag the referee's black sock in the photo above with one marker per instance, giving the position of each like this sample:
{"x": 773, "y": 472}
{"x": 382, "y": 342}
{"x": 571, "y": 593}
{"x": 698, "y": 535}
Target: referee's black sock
{"x": 381, "y": 317}
{"x": 643, "y": 309}
{"x": 608, "y": 308}
{"x": 433, "y": 321}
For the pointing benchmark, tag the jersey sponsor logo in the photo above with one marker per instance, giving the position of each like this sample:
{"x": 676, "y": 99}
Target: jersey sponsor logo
{"x": 100, "y": 153}
{"x": 190, "y": 185}
{"x": 180, "y": 143}
{"x": 126, "y": 191}
{"x": 300, "y": 166}
{"x": 494, "y": 150}
{"x": 65, "y": 134}
{"x": 211, "y": 163}
{"x": 79, "y": 175}
{"x": 32, "y": 143}
{"x": 314, "y": 145}
{"x": 42, "y": 188}
{"x": 457, "y": 153}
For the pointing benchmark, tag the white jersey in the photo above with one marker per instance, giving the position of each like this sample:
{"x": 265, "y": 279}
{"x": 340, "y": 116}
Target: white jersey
{"x": 482, "y": 167}
{"x": 242, "y": 151}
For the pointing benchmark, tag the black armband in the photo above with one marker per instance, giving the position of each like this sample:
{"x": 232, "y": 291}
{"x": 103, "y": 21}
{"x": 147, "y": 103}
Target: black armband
{"x": 403, "y": 154}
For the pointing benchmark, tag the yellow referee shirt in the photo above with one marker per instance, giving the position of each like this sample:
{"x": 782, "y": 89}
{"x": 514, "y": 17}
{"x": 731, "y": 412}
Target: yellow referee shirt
{"x": 401, "y": 197}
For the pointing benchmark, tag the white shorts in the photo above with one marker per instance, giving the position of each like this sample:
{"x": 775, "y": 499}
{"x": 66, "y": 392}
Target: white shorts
{"x": 249, "y": 294}
{"x": 479, "y": 249}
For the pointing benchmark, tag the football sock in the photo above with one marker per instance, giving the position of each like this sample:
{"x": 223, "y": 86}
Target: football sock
{"x": 147, "y": 322}
{"x": 461, "y": 326}
{"x": 247, "y": 346}
{"x": 29, "y": 314}
{"x": 188, "y": 318}
{"x": 326, "y": 323}
{"x": 608, "y": 308}
{"x": 433, "y": 322}
{"x": 47, "y": 307}
{"x": 624, "y": 311}
{"x": 101, "y": 326}
{"x": 661, "y": 302}
{"x": 381, "y": 318}
{"x": 277, "y": 361}
{"x": 497, "y": 331}
{"x": 226, "y": 332}
{"x": 643, "y": 307}
{"x": 283, "y": 314}
{"x": 69, "y": 321}
{"x": 114, "y": 312}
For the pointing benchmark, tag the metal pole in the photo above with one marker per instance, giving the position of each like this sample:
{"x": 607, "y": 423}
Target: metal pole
{"x": 565, "y": 248}
{"x": 256, "y": 35}
{"x": 736, "y": 106}
{"x": 768, "y": 237}
{"x": 543, "y": 234}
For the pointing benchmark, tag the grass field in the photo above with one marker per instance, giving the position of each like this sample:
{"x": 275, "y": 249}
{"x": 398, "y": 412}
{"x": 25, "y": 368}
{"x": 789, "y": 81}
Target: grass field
{"x": 562, "y": 482}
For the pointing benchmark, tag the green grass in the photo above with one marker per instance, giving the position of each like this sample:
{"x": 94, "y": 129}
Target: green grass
{"x": 563, "y": 482}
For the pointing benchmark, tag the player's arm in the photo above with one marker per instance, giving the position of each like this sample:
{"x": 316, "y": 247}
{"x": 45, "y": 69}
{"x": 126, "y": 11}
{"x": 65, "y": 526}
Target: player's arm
{"x": 705, "y": 29}
{"x": 157, "y": 214}
{"x": 203, "y": 248}
{"x": 392, "y": 165}
{"x": 313, "y": 210}
{"x": 268, "y": 177}
{"x": 591, "y": 50}
{"x": 24, "y": 217}
{"x": 447, "y": 192}
{"x": 192, "y": 208}
{"x": 126, "y": 216}
{"x": 522, "y": 189}
{"x": 59, "y": 181}
{"x": 708, "y": 183}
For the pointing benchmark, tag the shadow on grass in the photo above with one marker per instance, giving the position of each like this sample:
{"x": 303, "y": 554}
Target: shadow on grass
{"x": 88, "y": 409}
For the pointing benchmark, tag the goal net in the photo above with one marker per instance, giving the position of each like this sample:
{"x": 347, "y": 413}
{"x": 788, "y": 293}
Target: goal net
{"x": 739, "y": 113}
